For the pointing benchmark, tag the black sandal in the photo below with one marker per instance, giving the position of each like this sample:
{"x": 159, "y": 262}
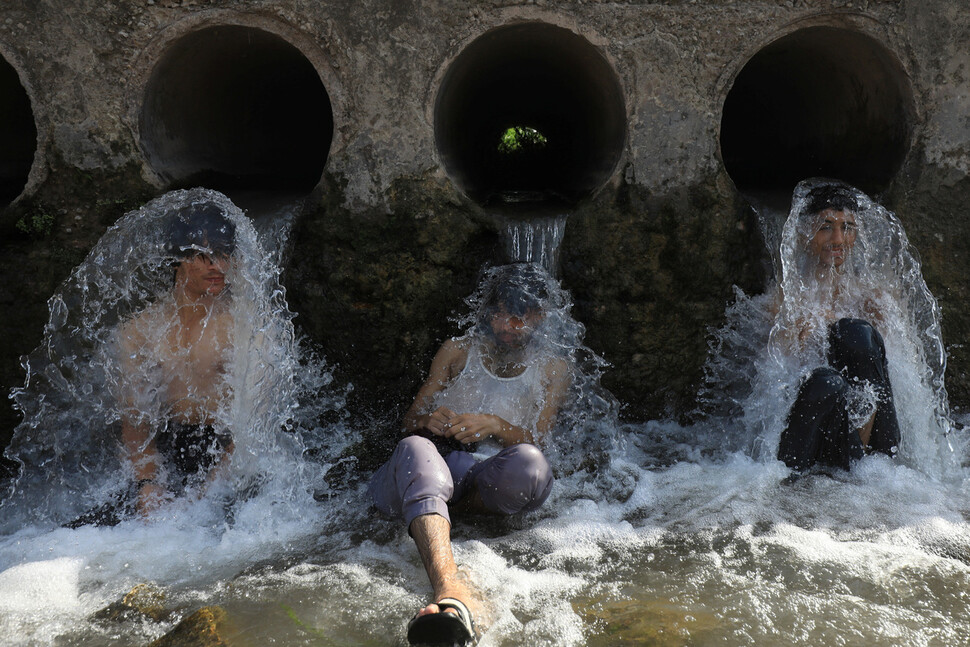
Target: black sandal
{"x": 443, "y": 628}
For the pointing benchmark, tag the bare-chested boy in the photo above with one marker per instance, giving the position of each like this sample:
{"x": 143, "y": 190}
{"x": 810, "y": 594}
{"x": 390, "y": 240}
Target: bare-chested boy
{"x": 835, "y": 304}
{"x": 173, "y": 359}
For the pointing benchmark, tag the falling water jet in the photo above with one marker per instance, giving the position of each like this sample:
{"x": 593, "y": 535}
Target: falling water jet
{"x": 255, "y": 511}
{"x": 616, "y": 541}
{"x": 535, "y": 241}
{"x": 273, "y": 215}
{"x": 69, "y": 442}
{"x": 752, "y": 373}
{"x": 771, "y": 209}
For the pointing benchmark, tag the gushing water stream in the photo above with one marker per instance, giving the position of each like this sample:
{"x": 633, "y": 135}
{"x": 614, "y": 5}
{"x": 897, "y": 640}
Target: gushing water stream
{"x": 535, "y": 241}
{"x": 661, "y": 534}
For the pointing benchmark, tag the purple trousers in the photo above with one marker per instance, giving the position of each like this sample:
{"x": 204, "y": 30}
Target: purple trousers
{"x": 417, "y": 480}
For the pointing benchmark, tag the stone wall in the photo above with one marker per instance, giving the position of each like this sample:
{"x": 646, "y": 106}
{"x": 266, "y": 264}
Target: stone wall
{"x": 665, "y": 117}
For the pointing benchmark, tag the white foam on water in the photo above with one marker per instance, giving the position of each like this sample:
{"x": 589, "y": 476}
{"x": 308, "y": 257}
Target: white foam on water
{"x": 45, "y": 586}
{"x": 711, "y": 550}
{"x": 40, "y": 600}
{"x": 673, "y": 534}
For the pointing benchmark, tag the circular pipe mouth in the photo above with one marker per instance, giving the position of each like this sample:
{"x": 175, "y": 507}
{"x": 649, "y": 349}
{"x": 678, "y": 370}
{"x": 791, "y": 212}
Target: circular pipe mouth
{"x": 527, "y": 113}
{"x": 821, "y": 101}
{"x": 18, "y": 135}
{"x": 236, "y": 107}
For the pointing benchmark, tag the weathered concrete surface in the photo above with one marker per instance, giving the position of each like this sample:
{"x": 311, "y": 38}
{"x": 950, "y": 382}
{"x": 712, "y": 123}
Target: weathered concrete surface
{"x": 391, "y": 242}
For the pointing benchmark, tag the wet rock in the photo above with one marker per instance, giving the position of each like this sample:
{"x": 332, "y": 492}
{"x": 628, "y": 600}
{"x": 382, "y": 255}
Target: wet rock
{"x": 207, "y": 627}
{"x": 376, "y": 290}
{"x": 143, "y": 601}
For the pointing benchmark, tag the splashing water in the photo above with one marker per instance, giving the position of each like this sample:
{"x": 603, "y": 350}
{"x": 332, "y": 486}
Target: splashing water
{"x": 68, "y": 444}
{"x": 677, "y": 535}
{"x": 586, "y": 421}
{"x": 879, "y": 281}
{"x": 273, "y": 215}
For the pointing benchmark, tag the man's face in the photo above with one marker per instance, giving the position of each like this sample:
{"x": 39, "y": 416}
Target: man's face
{"x": 835, "y": 237}
{"x": 513, "y": 331}
{"x": 202, "y": 274}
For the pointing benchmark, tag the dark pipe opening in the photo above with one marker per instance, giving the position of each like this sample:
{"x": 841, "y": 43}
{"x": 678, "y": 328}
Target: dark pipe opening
{"x": 18, "y": 135}
{"x": 821, "y": 101}
{"x": 539, "y": 77}
{"x": 236, "y": 107}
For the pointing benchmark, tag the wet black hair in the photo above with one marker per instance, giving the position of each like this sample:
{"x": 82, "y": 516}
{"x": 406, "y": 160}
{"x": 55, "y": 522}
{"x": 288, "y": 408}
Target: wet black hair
{"x": 519, "y": 288}
{"x": 201, "y": 226}
{"x": 840, "y": 197}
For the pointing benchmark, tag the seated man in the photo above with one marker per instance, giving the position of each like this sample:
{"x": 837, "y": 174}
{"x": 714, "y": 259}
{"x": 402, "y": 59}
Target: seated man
{"x": 173, "y": 358}
{"x": 171, "y": 333}
{"x": 501, "y": 384}
{"x": 844, "y": 409}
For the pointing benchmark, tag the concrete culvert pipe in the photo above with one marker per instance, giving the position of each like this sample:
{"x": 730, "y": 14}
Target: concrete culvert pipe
{"x": 18, "y": 135}
{"x": 819, "y": 101}
{"x": 235, "y": 106}
{"x": 549, "y": 95}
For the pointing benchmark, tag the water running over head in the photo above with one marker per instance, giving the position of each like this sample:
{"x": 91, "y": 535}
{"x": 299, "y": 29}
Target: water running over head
{"x": 511, "y": 311}
{"x": 527, "y": 293}
{"x": 841, "y": 256}
{"x": 877, "y": 555}
{"x": 172, "y": 337}
{"x": 521, "y": 316}
{"x": 706, "y": 551}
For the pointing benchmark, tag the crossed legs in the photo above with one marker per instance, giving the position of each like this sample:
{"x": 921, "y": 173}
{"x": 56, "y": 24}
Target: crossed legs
{"x": 818, "y": 430}
{"x": 418, "y": 485}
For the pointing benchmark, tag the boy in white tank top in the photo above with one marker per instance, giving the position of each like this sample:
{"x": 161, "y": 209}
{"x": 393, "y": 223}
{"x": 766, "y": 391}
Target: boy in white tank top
{"x": 471, "y": 435}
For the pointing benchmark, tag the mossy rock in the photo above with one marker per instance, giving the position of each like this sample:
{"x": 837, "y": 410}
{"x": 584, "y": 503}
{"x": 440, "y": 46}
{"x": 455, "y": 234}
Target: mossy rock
{"x": 207, "y": 627}
{"x": 143, "y": 601}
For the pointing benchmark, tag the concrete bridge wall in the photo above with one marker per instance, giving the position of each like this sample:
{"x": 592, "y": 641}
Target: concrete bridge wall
{"x": 663, "y": 118}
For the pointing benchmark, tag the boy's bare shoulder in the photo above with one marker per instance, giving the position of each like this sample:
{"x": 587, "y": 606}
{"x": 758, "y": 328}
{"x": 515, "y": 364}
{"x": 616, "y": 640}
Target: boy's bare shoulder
{"x": 137, "y": 330}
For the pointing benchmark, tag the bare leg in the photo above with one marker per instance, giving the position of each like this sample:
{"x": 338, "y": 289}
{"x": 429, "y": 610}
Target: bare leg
{"x": 865, "y": 433}
{"x": 432, "y": 535}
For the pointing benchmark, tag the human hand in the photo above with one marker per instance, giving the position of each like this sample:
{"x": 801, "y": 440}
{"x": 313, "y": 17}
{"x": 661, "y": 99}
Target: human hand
{"x": 469, "y": 428}
{"x": 805, "y": 326}
{"x": 871, "y": 310}
{"x": 151, "y": 496}
{"x": 437, "y": 421}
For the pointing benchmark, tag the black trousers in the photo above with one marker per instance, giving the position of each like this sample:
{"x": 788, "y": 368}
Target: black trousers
{"x": 189, "y": 452}
{"x": 817, "y": 431}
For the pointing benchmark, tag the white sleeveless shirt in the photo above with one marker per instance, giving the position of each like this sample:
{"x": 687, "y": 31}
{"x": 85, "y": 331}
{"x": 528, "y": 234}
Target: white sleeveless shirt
{"x": 476, "y": 390}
